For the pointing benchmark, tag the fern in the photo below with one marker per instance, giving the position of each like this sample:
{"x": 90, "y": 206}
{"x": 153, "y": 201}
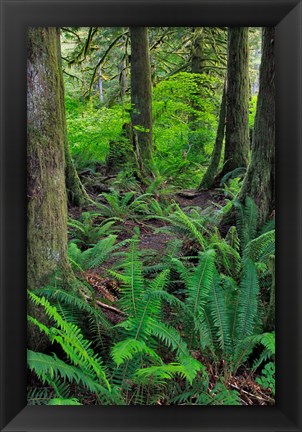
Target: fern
{"x": 237, "y": 172}
{"x": 123, "y": 206}
{"x": 74, "y": 308}
{"x": 268, "y": 341}
{"x": 141, "y": 299}
{"x": 199, "y": 393}
{"x": 132, "y": 287}
{"x": 228, "y": 257}
{"x": 267, "y": 378}
{"x": 96, "y": 255}
{"x": 72, "y": 341}
{"x": 218, "y": 309}
{"x": 39, "y": 395}
{"x": 260, "y": 248}
{"x": 61, "y": 401}
{"x": 247, "y": 220}
{"x": 247, "y": 301}
{"x": 48, "y": 367}
{"x": 190, "y": 225}
{"x": 86, "y": 231}
{"x": 128, "y": 348}
{"x": 159, "y": 374}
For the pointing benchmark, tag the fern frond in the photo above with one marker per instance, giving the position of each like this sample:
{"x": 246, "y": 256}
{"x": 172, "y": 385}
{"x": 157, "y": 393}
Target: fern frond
{"x": 220, "y": 395}
{"x": 247, "y": 301}
{"x": 61, "y": 401}
{"x": 46, "y": 366}
{"x": 70, "y": 338}
{"x": 218, "y": 308}
{"x": 198, "y": 283}
{"x": 159, "y": 374}
{"x": 76, "y": 301}
{"x": 132, "y": 287}
{"x": 260, "y": 248}
{"x": 237, "y": 172}
{"x": 128, "y": 348}
{"x": 39, "y": 395}
{"x": 247, "y": 220}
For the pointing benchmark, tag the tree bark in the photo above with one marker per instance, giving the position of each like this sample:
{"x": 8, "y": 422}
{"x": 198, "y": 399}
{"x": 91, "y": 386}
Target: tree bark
{"x": 141, "y": 98}
{"x": 209, "y": 176}
{"x": 47, "y": 203}
{"x": 197, "y": 64}
{"x": 76, "y": 194}
{"x": 259, "y": 182}
{"x": 237, "y": 125}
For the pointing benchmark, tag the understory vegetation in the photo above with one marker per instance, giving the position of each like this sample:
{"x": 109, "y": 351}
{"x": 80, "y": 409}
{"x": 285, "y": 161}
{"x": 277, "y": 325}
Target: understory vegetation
{"x": 170, "y": 298}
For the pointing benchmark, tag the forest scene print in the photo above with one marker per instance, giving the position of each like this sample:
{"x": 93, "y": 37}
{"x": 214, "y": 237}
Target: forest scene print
{"x": 151, "y": 216}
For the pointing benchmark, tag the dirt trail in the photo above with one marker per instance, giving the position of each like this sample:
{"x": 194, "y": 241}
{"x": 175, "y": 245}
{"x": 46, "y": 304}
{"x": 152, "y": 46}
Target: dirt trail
{"x": 201, "y": 199}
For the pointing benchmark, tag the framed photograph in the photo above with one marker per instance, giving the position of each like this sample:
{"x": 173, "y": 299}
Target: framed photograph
{"x": 173, "y": 252}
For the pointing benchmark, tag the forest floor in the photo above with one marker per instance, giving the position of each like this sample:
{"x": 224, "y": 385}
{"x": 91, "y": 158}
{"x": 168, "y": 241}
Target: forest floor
{"x": 154, "y": 240}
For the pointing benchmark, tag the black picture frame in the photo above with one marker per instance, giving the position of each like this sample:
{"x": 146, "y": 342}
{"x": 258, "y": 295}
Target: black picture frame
{"x": 16, "y": 16}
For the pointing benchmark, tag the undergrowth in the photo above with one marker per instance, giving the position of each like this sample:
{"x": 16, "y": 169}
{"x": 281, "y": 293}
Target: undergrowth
{"x": 184, "y": 325}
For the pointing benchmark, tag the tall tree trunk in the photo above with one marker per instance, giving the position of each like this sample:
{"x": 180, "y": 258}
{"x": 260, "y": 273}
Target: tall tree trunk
{"x": 237, "y": 124}
{"x": 141, "y": 98}
{"x": 259, "y": 182}
{"x": 47, "y": 208}
{"x": 210, "y": 174}
{"x": 197, "y": 64}
{"x": 76, "y": 194}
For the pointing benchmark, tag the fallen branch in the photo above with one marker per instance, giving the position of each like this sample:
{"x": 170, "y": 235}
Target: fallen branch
{"x": 104, "y": 305}
{"x": 266, "y": 399}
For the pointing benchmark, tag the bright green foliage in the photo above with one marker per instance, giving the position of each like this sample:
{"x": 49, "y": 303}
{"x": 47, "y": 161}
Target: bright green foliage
{"x": 262, "y": 247}
{"x": 123, "y": 206}
{"x": 267, "y": 378}
{"x": 128, "y": 348}
{"x": 246, "y": 220}
{"x": 70, "y": 338}
{"x": 141, "y": 300}
{"x": 191, "y": 225}
{"x": 252, "y": 111}
{"x": 90, "y": 130}
{"x": 51, "y": 367}
{"x": 268, "y": 342}
{"x": 92, "y": 127}
{"x": 72, "y": 306}
{"x": 247, "y": 301}
{"x": 95, "y": 255}
{"x": 61, "y": 401}
{"x": 87, "y": 232}
{"x": 172, "y": 108}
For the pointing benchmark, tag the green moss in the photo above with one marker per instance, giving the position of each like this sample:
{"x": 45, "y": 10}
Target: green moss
{"x": 47, "y": 203}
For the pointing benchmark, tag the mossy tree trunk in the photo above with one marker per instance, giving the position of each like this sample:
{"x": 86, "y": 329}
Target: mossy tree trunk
{"x": 141, "y": 98}
{"x": 197, "y": 65}
{"x": 259, "y": 182}
{"x": 237, "y": 124}
{"x": 47, "y": 203}
{"x": 210, "y": 174}
{"x": 76, "y": 193}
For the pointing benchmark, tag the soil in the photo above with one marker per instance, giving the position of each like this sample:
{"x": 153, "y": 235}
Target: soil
{"x": 201, "y": 199}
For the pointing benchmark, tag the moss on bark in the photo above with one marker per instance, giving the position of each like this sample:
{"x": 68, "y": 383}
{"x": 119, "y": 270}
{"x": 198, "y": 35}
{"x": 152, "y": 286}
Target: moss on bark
{"x": 141, "y": 98}
{"x": 197, "y": 66}
{"x": 76, "y": 193}
{"x": 259, "y": 182}
{"x": 237, "y": 125}
{"x": 46, "y": 193}
{"x": 210, "y": 174}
